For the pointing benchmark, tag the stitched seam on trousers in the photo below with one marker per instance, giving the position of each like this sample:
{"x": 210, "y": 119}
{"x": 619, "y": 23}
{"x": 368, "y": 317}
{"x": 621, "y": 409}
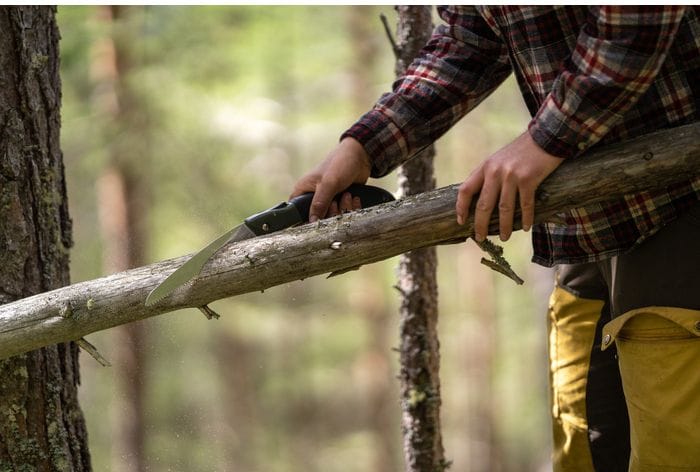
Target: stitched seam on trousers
{"x": 554, "y": 360}
{"x": 663, "y": 468}
{"x": 658, "y": 338}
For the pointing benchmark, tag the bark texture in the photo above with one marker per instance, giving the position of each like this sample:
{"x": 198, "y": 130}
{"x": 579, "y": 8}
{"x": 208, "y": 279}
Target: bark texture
{"x": 336, "y": 244}
{"x": 419, "y": 346}
{"x": 41, "y": 424}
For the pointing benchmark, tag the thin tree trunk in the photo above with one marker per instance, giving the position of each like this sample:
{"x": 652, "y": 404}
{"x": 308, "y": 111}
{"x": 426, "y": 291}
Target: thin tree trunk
{"x": 123, "y": 208}
{"x": 419, "y": 344}
{"x": 41, "y": 424}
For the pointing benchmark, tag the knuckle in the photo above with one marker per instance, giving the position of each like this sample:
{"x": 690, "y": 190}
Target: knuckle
{"x": 481, "y": 205}
{"x": 317, "y": 206}
{"x": 301, "y": 185}
{"x": 331, "y": 182}
{"x": 491, "y": 172}
{"x": 505, "y": 207}
{"x": 465, "y": 188}
{"x": 527, "y": 183}
{"x": 527, "y": 204}
{"x": 509, "y": 172}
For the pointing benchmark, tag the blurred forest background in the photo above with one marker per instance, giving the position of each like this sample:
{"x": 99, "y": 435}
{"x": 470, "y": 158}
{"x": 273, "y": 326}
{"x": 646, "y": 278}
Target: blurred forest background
{"x": 178, "y": 122}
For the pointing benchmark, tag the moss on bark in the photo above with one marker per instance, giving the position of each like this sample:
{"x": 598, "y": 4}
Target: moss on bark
{"x": 41, "y": 425}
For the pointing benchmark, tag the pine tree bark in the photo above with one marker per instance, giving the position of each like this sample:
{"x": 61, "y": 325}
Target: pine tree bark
{"x": 419, "y": 345}
{"x": 41, "y": 424}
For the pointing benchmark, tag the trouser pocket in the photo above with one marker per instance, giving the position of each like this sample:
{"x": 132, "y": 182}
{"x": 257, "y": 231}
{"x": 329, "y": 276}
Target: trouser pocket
{"x": 659, "y": 356}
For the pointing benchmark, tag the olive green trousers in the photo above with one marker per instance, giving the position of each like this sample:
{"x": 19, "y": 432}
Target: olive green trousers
{"x": 624, "y": 340}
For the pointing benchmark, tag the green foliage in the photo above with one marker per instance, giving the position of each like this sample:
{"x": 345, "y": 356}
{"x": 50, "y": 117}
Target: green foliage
{"x": 237, "y": 102}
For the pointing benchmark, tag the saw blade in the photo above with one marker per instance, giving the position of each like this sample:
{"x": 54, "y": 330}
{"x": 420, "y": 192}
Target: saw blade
{"x": 193, "y": 266}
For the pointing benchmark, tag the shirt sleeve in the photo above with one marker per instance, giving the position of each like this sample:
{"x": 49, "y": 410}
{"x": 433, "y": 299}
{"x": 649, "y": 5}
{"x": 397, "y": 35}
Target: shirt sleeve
{"x": 617, "y": 56}
{"x": 462, "y": 64}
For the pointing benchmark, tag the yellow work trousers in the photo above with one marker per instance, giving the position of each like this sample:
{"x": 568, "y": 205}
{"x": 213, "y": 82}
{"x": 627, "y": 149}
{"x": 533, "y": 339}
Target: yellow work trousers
{"x": 589, "y": 415}
{"x": 624, "y": 354}
{"x": 659, "y": 351}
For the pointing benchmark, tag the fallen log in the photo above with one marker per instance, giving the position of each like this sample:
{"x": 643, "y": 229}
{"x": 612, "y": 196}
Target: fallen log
{"x": 336, "y": 244}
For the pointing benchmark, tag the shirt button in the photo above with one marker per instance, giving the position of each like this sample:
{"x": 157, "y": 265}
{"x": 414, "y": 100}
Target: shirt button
{"x": 582, "y": 146}
{"x": 606, "y": 339}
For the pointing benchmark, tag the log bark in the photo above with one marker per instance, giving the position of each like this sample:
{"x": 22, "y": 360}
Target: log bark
{"x": 419, "y": 346}
{"x": 337, "y": 244}
{"x": 41, "y": 424}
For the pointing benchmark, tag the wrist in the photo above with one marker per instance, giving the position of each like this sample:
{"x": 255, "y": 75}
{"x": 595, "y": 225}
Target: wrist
{"x": 352, "y": 147}
{"x": 536, "y": 147}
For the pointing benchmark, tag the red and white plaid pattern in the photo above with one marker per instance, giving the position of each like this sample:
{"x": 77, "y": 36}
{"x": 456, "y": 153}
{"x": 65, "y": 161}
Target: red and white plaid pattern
{"x": 589, "y": 75}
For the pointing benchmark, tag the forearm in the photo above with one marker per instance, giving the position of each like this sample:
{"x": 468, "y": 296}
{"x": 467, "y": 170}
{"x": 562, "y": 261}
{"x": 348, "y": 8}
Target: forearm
{"x": 460, "y": 66}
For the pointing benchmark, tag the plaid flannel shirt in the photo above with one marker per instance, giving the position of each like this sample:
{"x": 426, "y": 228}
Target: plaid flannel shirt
{"x": 589, "y": 75}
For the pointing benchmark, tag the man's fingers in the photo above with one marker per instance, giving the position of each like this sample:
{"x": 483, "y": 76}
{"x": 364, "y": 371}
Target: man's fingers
{"x": 466, "y": 193}
{"x": 482, "y": 212}
{"x": 346, "y": 164}
{"x": 320, "y": 204}
{"x": 333, "y": 210}
{"x": 324, "y": 205}
{"x": 506, "y": 209}
{"x": 304, "y": 185}
{"x": 345, "y": 202}
{"x": 527, "y": 207}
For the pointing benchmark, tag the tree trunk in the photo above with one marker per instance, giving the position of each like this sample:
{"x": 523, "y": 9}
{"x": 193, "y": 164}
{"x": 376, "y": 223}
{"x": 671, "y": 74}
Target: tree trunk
{"x": 123, "y": 207}
{"x": 419, "y": 345}
{"x": 41, "y": 424}
{"x": 337, "y": 244}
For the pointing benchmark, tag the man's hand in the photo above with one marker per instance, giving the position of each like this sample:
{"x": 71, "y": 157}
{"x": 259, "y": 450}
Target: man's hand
{"x": 514, "y": 171}
{"x": 347, "y": 164}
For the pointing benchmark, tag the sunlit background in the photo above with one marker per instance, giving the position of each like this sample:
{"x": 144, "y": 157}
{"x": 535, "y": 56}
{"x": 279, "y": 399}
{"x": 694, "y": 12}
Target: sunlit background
{"x": 215, "y": 112}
